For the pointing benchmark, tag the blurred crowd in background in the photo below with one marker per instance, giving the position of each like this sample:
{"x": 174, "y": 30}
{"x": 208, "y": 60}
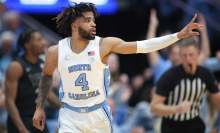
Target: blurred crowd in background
{"x": 130, "y": 91}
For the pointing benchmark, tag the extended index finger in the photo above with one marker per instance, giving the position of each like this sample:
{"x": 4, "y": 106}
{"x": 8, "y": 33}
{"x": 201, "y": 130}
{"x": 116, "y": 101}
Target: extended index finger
{"x": 192, "y": 21}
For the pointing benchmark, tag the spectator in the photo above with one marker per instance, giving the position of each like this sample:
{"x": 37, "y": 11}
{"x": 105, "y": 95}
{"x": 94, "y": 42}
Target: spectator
{"x": 119, "y": 91}
{"x": 141, "y": 115}
{"x": 114, "y": 68}
{"x": 12, "y": 21}
{"x": 136, "y": 83}
{"x": 116, "y": 128}
{"x": 2, "y": 11}
{"x": 3, "y": 111}
{"x": 6, "y": 51}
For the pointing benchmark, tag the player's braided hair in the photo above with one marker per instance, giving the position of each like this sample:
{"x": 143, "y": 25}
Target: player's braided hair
{"x": 71, "y": 13}
{"x": 23, "y": 38}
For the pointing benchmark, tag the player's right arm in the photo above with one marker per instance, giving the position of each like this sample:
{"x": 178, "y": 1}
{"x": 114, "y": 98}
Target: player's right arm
{"x": 13, "y": 73}
{"x": 51, "y": 62}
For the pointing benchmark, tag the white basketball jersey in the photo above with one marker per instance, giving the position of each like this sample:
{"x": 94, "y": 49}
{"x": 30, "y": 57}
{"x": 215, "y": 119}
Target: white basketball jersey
{"x": 84, "y": 78}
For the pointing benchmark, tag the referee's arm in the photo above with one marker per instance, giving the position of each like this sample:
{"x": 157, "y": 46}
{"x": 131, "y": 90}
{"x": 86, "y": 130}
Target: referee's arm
{"x": 212, "y": 86}
{"x": 164, "y": 86}
{"x": 216, "y": 97}
{"x": 159, "y": 108}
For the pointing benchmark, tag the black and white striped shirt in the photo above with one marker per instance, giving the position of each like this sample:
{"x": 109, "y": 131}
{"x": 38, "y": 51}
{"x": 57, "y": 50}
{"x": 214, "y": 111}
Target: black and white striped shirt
{"x": 177, "y": 86}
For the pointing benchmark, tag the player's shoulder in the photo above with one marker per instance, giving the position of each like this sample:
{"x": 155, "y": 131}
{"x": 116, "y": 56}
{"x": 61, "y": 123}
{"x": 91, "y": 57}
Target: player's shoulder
{"x": 15, "y": 68}
{"x": 53, "y": 49}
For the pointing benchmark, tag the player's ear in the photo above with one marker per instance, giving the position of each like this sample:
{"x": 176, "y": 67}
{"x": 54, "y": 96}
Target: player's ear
{"x": 26, "y": 45}
{"x": 73, "y": 26}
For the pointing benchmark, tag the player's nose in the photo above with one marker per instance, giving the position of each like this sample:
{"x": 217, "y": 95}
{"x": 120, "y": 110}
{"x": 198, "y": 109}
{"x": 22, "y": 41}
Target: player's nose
{"x": 93, "y": 24}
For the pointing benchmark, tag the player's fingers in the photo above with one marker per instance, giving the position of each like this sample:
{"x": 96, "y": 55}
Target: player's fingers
{"x": 43, "y": 123}
{"x": 192, "y": 21}
{"x": 153, "y": 11}
{"x": 197, "y": 26}
{"x": 194, "y": 33}
{"x": 37, "y": 123}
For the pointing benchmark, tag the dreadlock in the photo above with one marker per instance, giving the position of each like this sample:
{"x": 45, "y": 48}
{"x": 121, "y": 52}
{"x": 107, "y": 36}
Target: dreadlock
{"x": 24, "y": 37}
{"x": 71, "y": 13}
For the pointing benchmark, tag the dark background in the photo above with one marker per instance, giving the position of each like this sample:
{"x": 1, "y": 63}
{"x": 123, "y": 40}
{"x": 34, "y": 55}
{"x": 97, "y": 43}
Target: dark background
{"x": 130, "y": 23}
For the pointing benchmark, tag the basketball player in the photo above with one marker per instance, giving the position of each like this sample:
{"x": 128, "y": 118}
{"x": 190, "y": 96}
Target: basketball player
{"x": 180, "y": 90}
{"x": 22, "y": 84}
{"x": 82, "y": 62}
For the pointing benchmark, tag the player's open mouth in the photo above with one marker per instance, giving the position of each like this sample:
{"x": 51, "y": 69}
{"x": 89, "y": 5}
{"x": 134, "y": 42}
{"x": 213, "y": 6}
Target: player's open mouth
{"x": 93, "y": 31}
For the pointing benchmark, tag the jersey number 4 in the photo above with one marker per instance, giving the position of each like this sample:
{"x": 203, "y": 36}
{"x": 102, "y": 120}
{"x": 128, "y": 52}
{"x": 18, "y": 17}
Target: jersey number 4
{"x": 81, "y": 81}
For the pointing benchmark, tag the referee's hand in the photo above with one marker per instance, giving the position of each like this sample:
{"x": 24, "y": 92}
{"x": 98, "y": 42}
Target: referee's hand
{"x": 184, "y": 107}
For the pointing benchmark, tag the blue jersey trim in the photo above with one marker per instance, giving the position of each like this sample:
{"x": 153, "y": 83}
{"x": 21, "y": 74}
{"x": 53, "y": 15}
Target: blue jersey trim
{"x": 106, "y": 80}
{"x": 61, "y": 94}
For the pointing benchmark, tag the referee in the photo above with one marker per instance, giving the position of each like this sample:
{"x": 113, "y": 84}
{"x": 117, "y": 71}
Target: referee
{"x": 180, "y": 90}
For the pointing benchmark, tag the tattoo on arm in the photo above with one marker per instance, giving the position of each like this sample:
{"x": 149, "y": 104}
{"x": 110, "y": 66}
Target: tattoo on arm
{"x": 45, "y": 87}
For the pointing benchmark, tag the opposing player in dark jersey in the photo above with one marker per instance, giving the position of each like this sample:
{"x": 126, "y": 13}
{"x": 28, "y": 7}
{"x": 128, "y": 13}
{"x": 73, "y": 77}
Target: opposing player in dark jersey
{"x": 22, "y": 84}
{"x": 180, "y": 90}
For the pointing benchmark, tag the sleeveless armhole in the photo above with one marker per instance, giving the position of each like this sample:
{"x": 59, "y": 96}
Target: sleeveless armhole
{"x": 60, "y": 48}
{"x": 21, "y": 62}
{"x": 99, "y": 61}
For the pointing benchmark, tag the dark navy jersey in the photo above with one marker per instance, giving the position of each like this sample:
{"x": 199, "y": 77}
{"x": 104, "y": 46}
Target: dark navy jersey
{"x": 177, "y": 86}
{"x": 28, "y": 86}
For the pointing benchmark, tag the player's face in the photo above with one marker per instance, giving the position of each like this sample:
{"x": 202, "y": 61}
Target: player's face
{"x": 174, "y": 55}
{"x": 37, "y": 43}
{"x": 189, "y": 56}
{"x": 86, "y": 26}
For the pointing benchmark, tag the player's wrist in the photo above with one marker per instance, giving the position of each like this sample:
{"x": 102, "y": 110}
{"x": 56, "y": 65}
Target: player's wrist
{"x": 40, "y": 108}
{"x": 179, "y": 35}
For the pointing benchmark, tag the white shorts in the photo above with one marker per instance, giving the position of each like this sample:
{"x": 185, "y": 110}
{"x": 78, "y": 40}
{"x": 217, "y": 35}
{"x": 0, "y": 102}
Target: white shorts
{"x": 96, "y": 119}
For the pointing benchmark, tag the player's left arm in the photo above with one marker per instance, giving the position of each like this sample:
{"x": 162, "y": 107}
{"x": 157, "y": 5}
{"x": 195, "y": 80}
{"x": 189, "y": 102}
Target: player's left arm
{"x": 117, "y": 45}
{"x": 54, "y": 100}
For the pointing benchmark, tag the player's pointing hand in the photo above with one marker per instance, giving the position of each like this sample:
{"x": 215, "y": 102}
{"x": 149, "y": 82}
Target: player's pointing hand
{"x": 187, "y": 30}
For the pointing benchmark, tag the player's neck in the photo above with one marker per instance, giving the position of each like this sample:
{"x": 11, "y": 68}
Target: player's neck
{"x": 31, "y": 58}
{"x": 78, "y": 44}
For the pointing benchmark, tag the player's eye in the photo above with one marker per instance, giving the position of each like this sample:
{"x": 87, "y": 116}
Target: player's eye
{"x": 87, "y": 20}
